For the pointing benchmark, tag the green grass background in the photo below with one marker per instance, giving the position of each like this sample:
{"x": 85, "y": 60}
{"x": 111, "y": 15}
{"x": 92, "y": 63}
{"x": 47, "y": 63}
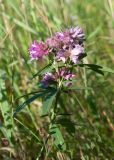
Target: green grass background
{"x": 22, "y": 21}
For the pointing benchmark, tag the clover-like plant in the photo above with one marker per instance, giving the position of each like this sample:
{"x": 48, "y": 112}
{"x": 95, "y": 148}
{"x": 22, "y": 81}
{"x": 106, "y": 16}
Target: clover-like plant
{"x": 65, "y": 51}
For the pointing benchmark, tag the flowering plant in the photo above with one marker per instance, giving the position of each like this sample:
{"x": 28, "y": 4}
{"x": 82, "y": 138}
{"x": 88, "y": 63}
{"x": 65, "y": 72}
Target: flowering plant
{"x": 65, "y": 51}
{"x": 66, "y": 47}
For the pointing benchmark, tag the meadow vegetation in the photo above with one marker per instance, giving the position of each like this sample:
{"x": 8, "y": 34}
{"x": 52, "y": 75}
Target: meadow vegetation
{"x": 92, "y": 111}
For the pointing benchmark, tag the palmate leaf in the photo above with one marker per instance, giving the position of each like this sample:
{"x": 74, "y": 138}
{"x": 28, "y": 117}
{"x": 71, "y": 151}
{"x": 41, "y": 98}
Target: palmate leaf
{"x": 48, "y": 100}
{"x": 58, "y": 138}
{"x": 28, "y": 101}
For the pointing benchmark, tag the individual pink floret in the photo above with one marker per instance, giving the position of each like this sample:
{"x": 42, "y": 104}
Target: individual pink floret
{"x": 38, "y": 50}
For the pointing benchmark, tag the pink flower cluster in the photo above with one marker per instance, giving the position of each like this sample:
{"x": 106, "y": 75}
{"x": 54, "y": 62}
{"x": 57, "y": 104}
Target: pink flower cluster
{"x": 38, "y": 50}
{"x": 67, "y": 45}
{"x": 62, "y": 74}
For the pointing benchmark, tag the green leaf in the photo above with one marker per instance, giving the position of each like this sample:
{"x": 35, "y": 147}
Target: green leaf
{"x": 93, "y": 67}
{"x": 7, "y": 127}
{"x": 80, "y": 88}
{"x": 94, "y": 33}
{"x": 58, "y": 138}
{"x": 15, "y": 7}
{"x": 7, "y": 133}
{"x": 107, "y": 69}
{"x": 28, "y": 130}
{"x": 21, "y": 24}
{"x": 47, "y": 101}
{"x": 46, "y": 69}
{"x": 67, "y": 124}
{"x": 28, "y": 101}
{"x": 25, "y": 95}
{"x": 97, "y": 68}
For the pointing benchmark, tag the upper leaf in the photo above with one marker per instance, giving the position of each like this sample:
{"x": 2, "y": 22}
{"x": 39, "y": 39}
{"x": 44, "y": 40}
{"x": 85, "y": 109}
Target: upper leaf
{"x": 44, "y": 70}
{"x": 48, "y": 100}
{"x": 28, "y": 101}
{"x": 97, "y": 68}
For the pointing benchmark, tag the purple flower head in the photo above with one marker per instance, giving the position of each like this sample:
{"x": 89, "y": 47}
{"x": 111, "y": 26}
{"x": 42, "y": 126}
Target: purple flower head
{"x": 68, "y": 44}
{"x": 58, "y": 40}
{"x": 63, "y": 55}
{"x": 63, "y": 37}
{"x": 77, "y": 32}
{"x": 59, "y": 36}
{"x": 65, "y": 73}
{"x": 65, "y": 46}
{"x": 50, "y": 78}
{"x": 52, "y": 43}
{"x": 47, "y": 79}
{"x": 38, "y": 50}
{"x": 76, "y": 53}
{"x": 69, "y": 76}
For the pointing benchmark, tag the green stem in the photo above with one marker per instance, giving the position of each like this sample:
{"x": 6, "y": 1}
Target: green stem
{"x": 52, "y": 119}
